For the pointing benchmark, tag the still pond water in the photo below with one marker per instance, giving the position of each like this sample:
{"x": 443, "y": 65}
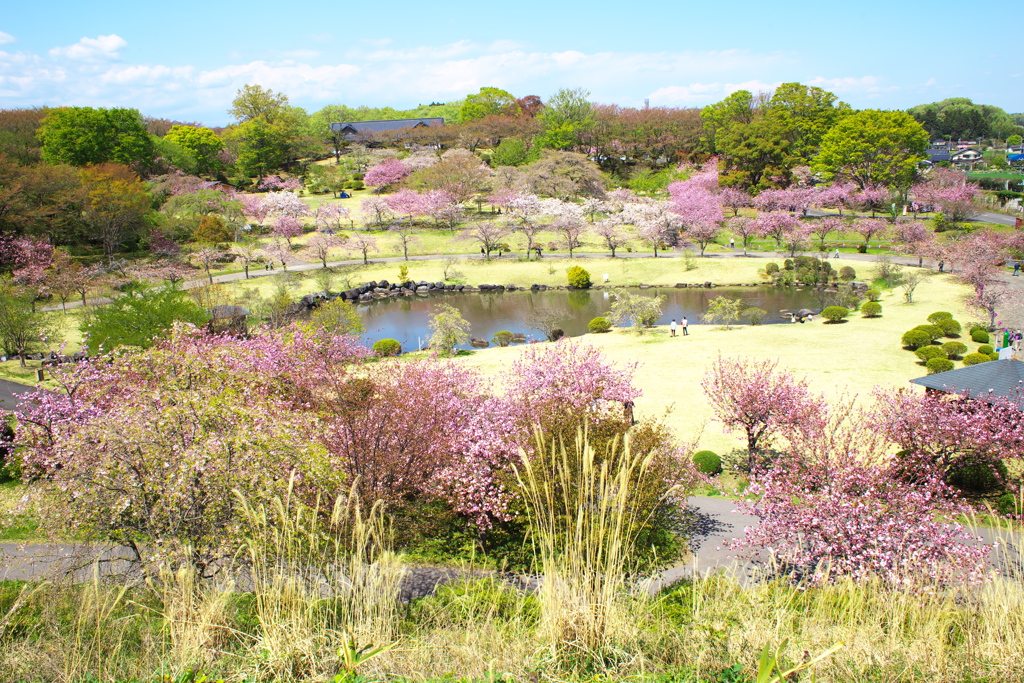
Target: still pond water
{"x": 406, "y": 319}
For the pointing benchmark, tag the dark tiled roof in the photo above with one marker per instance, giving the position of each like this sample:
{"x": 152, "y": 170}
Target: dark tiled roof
{"x": 385, "y": 126}
{"x": 936, "y": 155}
{"x": 985, "y": 381}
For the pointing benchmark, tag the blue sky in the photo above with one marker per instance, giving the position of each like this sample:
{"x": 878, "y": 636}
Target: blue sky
{"x": 186, "y": 60}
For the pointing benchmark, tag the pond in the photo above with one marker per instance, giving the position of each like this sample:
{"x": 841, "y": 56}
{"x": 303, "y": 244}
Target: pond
{"x": 406, "y": 319}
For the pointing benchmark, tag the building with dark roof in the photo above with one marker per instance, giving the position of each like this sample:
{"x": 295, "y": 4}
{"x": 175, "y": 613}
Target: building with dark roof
{"x": 361, "y": 130}
{"x": 994, "y": 381}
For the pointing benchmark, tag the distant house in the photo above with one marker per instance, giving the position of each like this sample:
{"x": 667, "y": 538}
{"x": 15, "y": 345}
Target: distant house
{"x": 966, "y": 155}
{"x": 366, "y": 130}
{"x": 966, "y": 144}
{"x": 994, "y": 381}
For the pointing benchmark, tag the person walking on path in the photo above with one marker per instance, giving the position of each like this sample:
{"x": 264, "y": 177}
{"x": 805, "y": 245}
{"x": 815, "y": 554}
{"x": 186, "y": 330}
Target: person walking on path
{"x": 837, "y": 252}
{"x": 672, "y": 328}
{"x": 732, "y": 242}
{"x": 685, "y": 326}
{"x": 1016, "y": 269}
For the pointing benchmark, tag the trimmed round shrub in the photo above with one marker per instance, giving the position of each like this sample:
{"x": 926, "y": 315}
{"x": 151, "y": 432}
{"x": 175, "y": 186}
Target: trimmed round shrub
{"x": 986, "y": 349}
{"x": 915, "y": 339}
{"x": 754, "y": 315}
{"x": 871, "y": 309}
{"x": 926, "y": 353}
{"x": 835, "y": 314}
{"x": 579, "y": 278}
{"x": 599, "y": 324}
{"x": 937, "y": 365}
{"x": 975, "y": 358}
{"x": 934, "y": 318}
{"x": 933, "y": 331}
{"x": 873, "y": 295}
{"x": 979, "y": 478}
{"x": 979, "y": 335}
{"x": 949, "y": 327}
{"x": 994, "y": 356}
{"x": 954, "y": 350}
{"x": 503, "y": 338}
{"x": 708, "y": 462}
{"x": 771, "y": 268}
{"x": 387, "y": 347}
{"x": 846, "y": 273}
{"x": 788, "y": 264}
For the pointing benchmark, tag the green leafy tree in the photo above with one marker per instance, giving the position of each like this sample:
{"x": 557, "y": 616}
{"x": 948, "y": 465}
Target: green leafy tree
{"x": 873, "y": 147}
{"x": 724, "y": 311}
{"x": 269, "y": 132}
{"x": 488, "y": 102}
{"x": 116, "y": 207}
{"x": 204, "y": 144}
{"x": 738, "y": 108}
{"x": 83, "y": 136}
{"x": 958, "y": 118}
{"x": 21, "y": 328}
{"x": 139, "y": 318}
{"x": 510, "y": 152}
{"x": 336, "y": 317}
{"x": 758, "y": 156}
{"x": 449, "y": 328}
{"x": 567, "y": 116}
{"x": 805, "y": 113}
{"x": 643, "y": 311}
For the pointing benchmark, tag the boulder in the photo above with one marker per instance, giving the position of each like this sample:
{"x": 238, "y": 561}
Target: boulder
{"x": 423, "y": 288}
{"x": 478, "y": 343}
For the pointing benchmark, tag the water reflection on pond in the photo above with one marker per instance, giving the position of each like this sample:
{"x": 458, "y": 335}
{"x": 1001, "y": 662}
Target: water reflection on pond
{"x": 406, "y": 318}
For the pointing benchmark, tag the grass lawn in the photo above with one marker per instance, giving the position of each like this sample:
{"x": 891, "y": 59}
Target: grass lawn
{"x": 15, "y": 525}
{"x": 849, "y": 358}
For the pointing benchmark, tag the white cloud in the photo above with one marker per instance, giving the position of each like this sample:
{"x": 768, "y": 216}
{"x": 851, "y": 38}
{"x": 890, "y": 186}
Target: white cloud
{"x": 92, "y": 48}
{"x": 703, "y": 93}
{"x": 6, "y": 38}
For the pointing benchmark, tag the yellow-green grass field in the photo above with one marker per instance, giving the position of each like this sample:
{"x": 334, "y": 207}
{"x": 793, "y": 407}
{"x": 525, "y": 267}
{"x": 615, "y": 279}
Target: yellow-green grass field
{"x": 849, "y": 358}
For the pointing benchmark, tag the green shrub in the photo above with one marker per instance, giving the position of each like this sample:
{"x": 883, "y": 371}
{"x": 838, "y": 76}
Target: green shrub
{"x": 975, "y": 358}
{"x": 754, "y": 315}
{"x": 387, "y": 347}
{"x": 771, "y": 268}
{"x": 933, "y": 331}
{"x": 846, "y": 273}
{"x": 994, "y": 356}
{"x": 986, "y": 349}
{"x": 1009, "y": 504}
{"x": 788, "y": 264}
{"x": 979, "y": 335}
{"x": 949, "y": 327}
{"x": 926, "y": 353}
{"x": 835, "y": 314}
{"x": 979, "y": 478}
{"x": 708, "y": 462}
{"x": 915, "y": 339}
{"x": 599, "y": 324}
{"x": 357, "y": 176}
{"x": 579, "y": 278}
{"x": 937, "y": 365}
{"x": 934, "y": 318}
{"x": 503, "y": 338}
{"x": 873, "y": 295}
{"x": 954, "y": 350}
{"x": 871, "y": 309}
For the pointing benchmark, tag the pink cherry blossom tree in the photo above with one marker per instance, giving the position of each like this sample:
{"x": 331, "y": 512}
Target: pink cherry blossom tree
{"x": 611, "y": 233}
{"x": 285, "y": 204}
{"x": 331, "y": 217}
{"x": 872, "y": 198}
{"x": 321, "y": 245}
{"x": 254, "y": 208}
{"x": 734, "y": 199}
{"x": 571, "y": 230}
{"x": 386, "y": 174}
{"x": 761, "y": 400}
{"x": 869, "y": 229}
{"x": 911, "y": 237}
{"x": 747, "y": 229}
{"x": 948, "y": 190}
{"x": 776, "y": 224}
{"x": 376, "y": 210}
{"x": 287, "y": 227}
{"x": 837, "y": 196}
{"x": 825, "y": 227}
{"x": 488, "y": 234}
{"x": 361, "y": 243}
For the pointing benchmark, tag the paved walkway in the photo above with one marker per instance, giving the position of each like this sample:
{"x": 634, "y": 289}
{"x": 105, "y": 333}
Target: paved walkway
{"x": 11, "y": 393}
